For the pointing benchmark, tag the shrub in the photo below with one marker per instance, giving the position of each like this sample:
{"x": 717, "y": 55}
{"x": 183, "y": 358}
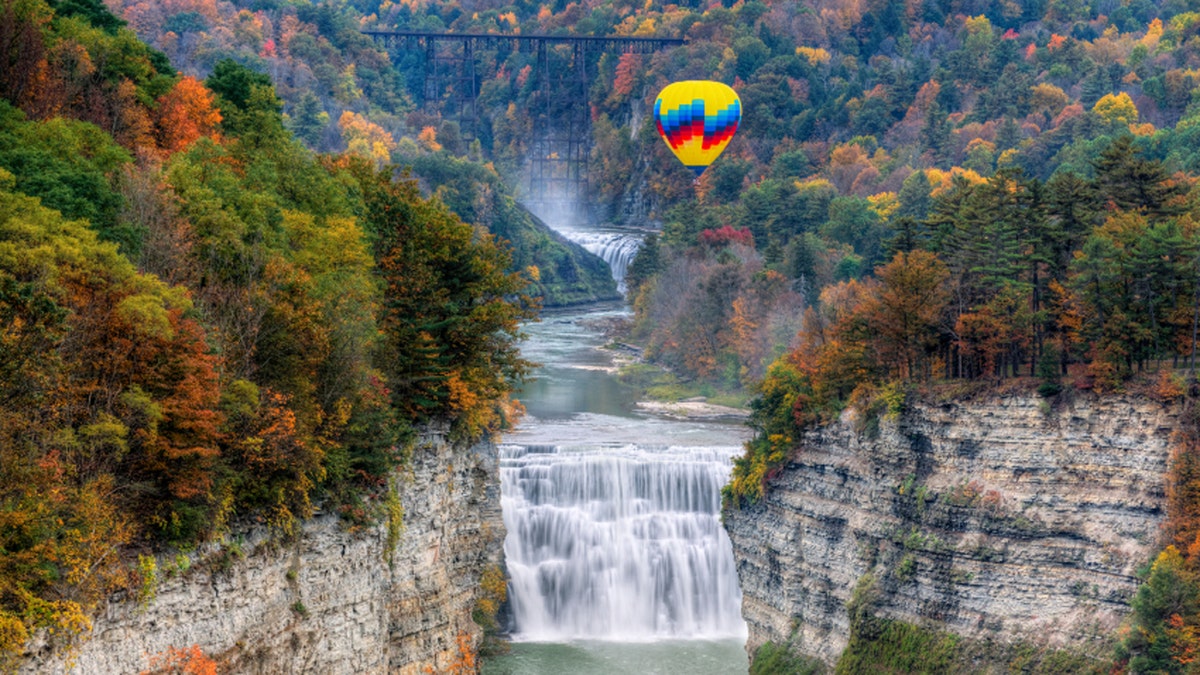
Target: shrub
{"x": 773, "y": 659}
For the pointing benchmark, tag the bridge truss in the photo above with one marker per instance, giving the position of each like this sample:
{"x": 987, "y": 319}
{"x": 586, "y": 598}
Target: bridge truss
{"x": 557, "y": 164}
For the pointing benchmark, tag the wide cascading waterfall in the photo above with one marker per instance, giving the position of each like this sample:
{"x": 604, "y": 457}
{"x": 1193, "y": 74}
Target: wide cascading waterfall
{"x": 615, "y": 248}
{"x": 618, "y": 542}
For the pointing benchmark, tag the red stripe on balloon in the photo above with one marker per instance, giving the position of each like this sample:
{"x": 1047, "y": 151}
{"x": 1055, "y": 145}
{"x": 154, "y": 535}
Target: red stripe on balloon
{"x": 672, "y": 139}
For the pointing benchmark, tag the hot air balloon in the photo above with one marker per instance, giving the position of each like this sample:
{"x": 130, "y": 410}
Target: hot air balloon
{"x": 697, "y": 118}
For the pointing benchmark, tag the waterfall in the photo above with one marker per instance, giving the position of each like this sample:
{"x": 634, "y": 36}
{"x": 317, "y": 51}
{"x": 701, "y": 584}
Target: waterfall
{"x": 618, "y": 542}
{"x": 615, "y": 248}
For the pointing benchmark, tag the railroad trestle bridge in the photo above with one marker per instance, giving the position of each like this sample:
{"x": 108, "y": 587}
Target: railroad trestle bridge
{"x": 557, "y": 162}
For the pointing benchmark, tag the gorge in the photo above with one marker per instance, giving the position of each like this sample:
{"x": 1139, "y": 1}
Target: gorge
{"x": 616, "y": 556}
{"x": 329, "y": 601}
{"x": 1001, "y": 519}
{"x": 1004, "y": 519}
{"x": 248, "y": 254}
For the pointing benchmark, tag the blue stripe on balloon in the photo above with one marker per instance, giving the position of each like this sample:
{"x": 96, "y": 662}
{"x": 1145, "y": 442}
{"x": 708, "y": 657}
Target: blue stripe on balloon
{"x": 683, "y": 116}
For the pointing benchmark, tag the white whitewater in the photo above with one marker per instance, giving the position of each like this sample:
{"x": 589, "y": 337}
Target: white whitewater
{"x": 615, "y": 248}
{"x": 619, "y": 541}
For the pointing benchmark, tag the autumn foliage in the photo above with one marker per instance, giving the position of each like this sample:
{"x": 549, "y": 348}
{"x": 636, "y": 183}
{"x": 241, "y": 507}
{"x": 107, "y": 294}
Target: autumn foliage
{"x": 1005, "y": 277}
{"x": 186, "y": 661}
{"x": 727, "y": 235}
{"x": 185, "y": 114}
{"x": 202, "y": 322}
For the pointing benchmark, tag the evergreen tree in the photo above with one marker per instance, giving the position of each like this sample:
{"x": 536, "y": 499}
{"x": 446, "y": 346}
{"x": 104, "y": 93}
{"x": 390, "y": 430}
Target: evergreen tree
{"x": 935, "y": 134}
{"x": 309, "y": 119}
{"x": 914, "y": 196}
{"x": 1008, "y": 135}
{"x": 1071, "y": 203}
{"x": 1130, "y": 182}
{"x": 1095, "y": 86}
{"x": 647, "y": 263}
{"x": 910, "y": 236}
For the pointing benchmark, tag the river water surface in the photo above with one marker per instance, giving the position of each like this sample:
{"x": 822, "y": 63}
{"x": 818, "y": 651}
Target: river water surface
{"x": 617, "y": 559}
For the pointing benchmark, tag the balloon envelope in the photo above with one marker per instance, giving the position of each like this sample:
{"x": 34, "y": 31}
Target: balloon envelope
{"x": 697, "y": 118}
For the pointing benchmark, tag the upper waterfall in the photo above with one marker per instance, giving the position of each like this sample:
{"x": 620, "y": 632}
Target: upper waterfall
{"x": 615, "y": 248}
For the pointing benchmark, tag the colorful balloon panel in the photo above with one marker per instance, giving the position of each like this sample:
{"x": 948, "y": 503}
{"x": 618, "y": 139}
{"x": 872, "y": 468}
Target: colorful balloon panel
{"x": 697, "y": 118}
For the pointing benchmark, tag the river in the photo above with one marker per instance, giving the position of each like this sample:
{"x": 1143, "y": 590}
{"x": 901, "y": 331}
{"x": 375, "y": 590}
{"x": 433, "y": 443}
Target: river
{"x": 617, "y": 559}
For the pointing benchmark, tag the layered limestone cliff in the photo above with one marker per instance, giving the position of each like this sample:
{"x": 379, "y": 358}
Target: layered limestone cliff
{"x": 1002, "y": 519}
{"x": 327, "y": 601}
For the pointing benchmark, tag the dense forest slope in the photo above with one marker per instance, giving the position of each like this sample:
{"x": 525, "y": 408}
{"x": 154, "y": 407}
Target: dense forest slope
{"x": 204, "y": 326}
{"x": 929, "y": 194}
{"x": 343, "y": 93}
{"x": 959, "y": 537}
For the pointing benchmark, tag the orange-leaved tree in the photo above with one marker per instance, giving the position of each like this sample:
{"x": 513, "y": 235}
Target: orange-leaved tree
{"x": 184, "y": 114}
{"x": 186, "y": 661}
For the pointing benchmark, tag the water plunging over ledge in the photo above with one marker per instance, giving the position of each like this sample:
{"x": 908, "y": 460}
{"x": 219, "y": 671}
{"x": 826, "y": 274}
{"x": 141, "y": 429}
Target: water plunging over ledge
{"x": 618, "y": 542}
{"x": 616, "y": 248}
{"x": 617, "y": 559}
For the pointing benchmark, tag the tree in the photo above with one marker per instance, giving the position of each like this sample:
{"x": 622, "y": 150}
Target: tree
{"x": 309, "y": 119}
{"x": 852, "y": 221}
{"x": 1129, "y": 182}
{"x": 914, "y": 196}
{"x": 72, "y": 166}
{"x": 1168, "y": 601}
{"x": 911, "y": 299}
{"x": 935, "y": 134}
{"x": 1116, "y": 109}
{"x": 1072, "y": 204}
{"x": 247, "y": 100}
{"x": 187, "y": 661}
{"x": 26, "y": 79}
{"x": 647, "y": 263}
{"x": 185, "y": 114}
{"x": 366, "y": 139}
{"x": 1047, "y": 99}
{"x": 235, "y": 83}
{"x": 123, "y": 393}
{"x": 451, "y": 310}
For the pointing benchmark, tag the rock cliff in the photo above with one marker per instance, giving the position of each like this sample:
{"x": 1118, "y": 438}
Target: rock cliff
{"x": 327, "y": 601}
{"x": 1001, "y": 519}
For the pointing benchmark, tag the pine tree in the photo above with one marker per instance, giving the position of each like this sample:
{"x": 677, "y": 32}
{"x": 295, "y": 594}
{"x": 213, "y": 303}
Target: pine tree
{"x": 645, "y": 264}
{"x": 935, "y": 134}
{"x": 914, "y": 196}
{"x": 1008, "y": 135}
{"x": 1071, "y": 203}
{"x": 1129, "y": 182}
{"x": 309, "y": 119}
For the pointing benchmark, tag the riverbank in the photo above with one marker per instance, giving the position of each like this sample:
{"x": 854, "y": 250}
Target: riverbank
{"x": 694, "y": 409}
{"x": 659, "y": 390}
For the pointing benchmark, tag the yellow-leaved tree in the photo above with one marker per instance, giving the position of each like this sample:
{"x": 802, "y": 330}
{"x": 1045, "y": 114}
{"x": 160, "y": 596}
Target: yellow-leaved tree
{"x": 1116, "y": 109}
{"x": 365, "y": 138}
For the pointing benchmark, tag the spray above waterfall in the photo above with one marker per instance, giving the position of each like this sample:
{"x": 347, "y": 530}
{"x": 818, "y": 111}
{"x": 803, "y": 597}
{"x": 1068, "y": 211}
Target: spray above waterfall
{"x": 614, "y": 245}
